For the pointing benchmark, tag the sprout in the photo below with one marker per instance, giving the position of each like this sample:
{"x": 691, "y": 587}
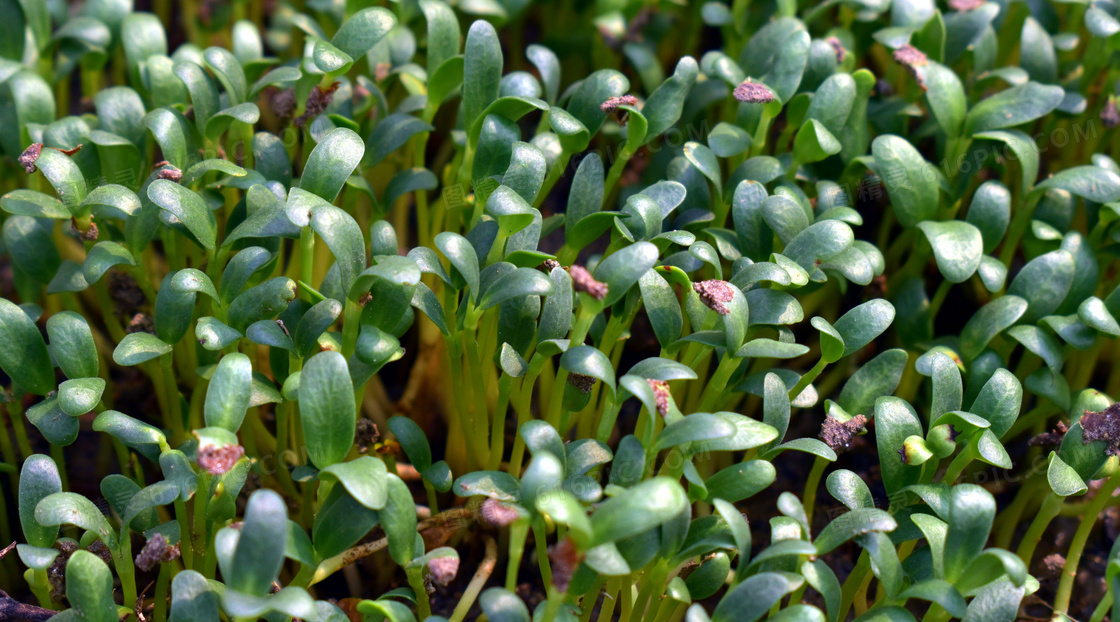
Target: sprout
{"x": 304, "y": 288}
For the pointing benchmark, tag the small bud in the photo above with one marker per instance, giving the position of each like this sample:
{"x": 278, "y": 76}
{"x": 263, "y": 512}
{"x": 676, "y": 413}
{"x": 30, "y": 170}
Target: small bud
{"x": 565, "y": 559}
{"x": 582, "y": 281}
{"x": 661, "y": 394}
{"x": 141, "y": 323}
{"x": 284, "y": 103}
{"x": 381, "y": 71}
{"x": 125, "y": 292}
{"x": 1110, "y": 466}
{"x": 581, "y": 382}
{"x": 56, "y": 573}
{"x": 714, "y": 294}
{"x": 965, "y": 5}
{"x": 942, "y": 440}
{"x": 442, "y": 570}
{"x": 1103, "y": 426}
{"x": 365, "y": 434}
{"x": 1052, "y": 438}
{"x": 100, "y": 549}
{"x": 169, "y": 172}
{"x": 317, "y": 101}
{"x": 29, "y": 156}
{"x": 838, "y": 434}
{"x": 88, "y": 235}
{"x": 548, "y": 265}
{"x": 218, "y": 460}
{"x": 1052, "y": 566}
{"x": 609, "y": 39}
{"x": 156, "y": 552}
{"x": 498, "y": 514}
{"x": 837, "y": 47}
{"x": 753, "y": 93}
{"x": 1110, "y": 116}
{"x": 915, "y": 451}
{"x": 613, "y": 103}
{"x": 912, "y": 58}
{"x": 910, "y": 55}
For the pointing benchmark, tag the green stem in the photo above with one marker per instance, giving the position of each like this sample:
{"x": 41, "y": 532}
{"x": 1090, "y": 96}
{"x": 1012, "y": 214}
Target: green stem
{"x": 853, "y": 583}
{"x": 160, "y": 596}
{"x": 1077, "y": 545}
{"x": 497, "y": 426}
{"x": 554, "y": 174}
{"x": 481, "y": 417}
{"x": 19, "y": 426}
{"x": 522, "y": 405}
{"x": 433, "y": 503}
{"x": 186, "y": 538}
{"x": 615, "y": 587}
{"x": 1102, "y": 608}
{"x": 716, "y": 389}
{"x": 307, "y": 258}
{"x": 416, "y": 582}
{"x": 578, "y": 335}
{"x": 758, "y": 142}
{"x": 541, "y": 542}
{"x": 518, "y": 531}
{"x": 123, "y": 562}
{"x": 587, "y": 605}
{"x": 350, "y": 326}
{"x": 40, "y": 586}
{"x": 939, "y": 298}
{"x": 807, "y": 379}
{"x": 171, "y": 389}
{"x": 654, "y": 580}
{"x": 1015, "y": 231}
{"x": 1050, "y": 507}
{"x": 811, "y": 486}
{"x": 552, "y": 605}
{"x": 201, "y": 500}
{"x": 478, "y": 581}
{"x": 59, "y": 456}
{"x": 959, "y": 463}
{"x": 615, "y": 173}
